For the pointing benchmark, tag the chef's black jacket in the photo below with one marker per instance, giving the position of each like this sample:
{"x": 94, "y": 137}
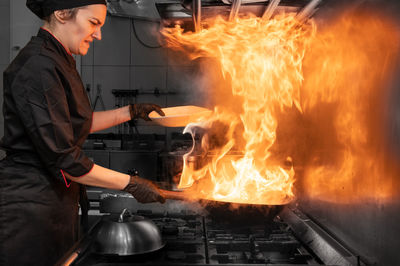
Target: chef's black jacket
{"x": 47, "y": 117}
{"x": 46, "y": 108}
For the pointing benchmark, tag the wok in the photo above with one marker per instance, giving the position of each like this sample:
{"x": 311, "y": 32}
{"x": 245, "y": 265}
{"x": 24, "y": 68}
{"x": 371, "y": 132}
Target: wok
{"x": 232, "y": 213}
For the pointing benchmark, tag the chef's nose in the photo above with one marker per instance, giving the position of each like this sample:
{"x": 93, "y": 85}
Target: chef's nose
{"x": 97, "y": 34}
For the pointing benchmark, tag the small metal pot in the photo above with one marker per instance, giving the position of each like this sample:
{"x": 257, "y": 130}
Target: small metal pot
{"x": 126, "y": 235}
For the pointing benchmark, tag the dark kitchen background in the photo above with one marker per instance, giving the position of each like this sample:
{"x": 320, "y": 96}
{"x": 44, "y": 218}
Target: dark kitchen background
{"x": 131, "y": 65}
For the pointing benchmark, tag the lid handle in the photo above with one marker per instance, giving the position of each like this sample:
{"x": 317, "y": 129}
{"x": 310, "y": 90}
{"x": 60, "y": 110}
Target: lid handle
{"x": 123, "y": 214}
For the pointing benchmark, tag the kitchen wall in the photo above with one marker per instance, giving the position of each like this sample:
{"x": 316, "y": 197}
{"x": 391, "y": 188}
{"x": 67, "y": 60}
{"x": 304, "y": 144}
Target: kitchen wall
{"x": 4, "y": 50}
{"x": 362, "y": 207}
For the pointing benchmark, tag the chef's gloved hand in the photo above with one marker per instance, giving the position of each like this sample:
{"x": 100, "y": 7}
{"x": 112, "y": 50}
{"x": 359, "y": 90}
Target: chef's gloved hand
{"x": 142, "y": 110}
{"x": 143, "y": 190}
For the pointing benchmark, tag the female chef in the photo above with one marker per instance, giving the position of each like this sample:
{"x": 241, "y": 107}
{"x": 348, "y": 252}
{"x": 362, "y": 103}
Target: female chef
{"x": 47, "y": 117}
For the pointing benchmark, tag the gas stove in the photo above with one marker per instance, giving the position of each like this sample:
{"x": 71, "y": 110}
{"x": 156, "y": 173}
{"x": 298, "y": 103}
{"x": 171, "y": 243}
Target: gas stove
{"x": 264, "y": 243}
{"x": 195, "y": 238}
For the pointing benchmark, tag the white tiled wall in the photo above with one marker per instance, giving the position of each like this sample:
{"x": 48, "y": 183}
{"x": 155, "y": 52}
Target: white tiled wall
{"x": 4, "y": 32}
{"x": 109, "y": 78}
{"x": 87, "y": 60}
{"x": 23, "y": 25}
{"x": 114, "y": 48}
{"x": 4, "y": 53}
{"x": 2, "y": 68}
{"x": 148, "y": 78}
{"x": 145, "y": 45}
{"x": 87, "y": 79}
{"x": 176, "y": 58}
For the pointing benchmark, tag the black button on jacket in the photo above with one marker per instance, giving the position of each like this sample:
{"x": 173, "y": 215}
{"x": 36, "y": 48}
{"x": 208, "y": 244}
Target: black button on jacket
{"x": 46, "y": 109}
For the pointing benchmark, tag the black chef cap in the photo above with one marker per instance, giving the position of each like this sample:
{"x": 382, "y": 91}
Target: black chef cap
{"x": 44, "y": 8}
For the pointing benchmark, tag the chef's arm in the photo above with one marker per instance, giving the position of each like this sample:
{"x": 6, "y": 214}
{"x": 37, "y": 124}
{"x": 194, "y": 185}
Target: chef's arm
{"x": 106, "y": 119}
{"x": 143, "y": 190}
{"x": 110, "y": 118}
{"x": 102, "y": 177}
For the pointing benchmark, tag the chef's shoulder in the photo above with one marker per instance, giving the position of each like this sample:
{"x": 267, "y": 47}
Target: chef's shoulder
{"x": 33, "y": 61}
{"x": 36, "y": 73}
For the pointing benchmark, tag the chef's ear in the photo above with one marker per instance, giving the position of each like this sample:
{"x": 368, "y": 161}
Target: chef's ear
{"x": 62, "y": 15}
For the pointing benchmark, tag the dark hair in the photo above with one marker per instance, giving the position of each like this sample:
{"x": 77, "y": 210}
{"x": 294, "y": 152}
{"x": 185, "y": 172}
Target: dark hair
{"x": 67, "y": 14}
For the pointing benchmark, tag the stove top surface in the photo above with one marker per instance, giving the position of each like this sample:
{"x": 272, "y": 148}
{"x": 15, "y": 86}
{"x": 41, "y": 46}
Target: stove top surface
{"x": 195, "y": 239}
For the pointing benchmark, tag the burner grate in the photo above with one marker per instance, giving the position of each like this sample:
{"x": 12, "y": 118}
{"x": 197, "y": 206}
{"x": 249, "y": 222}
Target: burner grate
{"x": 198, "y": 240}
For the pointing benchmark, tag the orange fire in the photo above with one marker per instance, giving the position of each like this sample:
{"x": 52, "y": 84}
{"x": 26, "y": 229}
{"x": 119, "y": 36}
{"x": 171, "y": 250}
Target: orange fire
{"x": 282, "y": 66}
{"x": 348, "y": 68}
{"x": 263, "y": 61}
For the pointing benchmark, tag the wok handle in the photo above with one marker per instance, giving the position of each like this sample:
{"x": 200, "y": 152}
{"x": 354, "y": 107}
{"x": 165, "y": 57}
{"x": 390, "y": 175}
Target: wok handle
{"x": 175, "y": 195}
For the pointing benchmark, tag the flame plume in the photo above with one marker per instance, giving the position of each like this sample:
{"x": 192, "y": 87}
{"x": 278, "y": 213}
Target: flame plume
{"x": 263, "y": 61}
{"x": 333, "y": 78}
{"x": 348, "y": 67}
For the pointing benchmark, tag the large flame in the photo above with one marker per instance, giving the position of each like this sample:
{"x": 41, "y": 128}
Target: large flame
{"x": 265, "y": 63}
{"x": 348, "y": 68}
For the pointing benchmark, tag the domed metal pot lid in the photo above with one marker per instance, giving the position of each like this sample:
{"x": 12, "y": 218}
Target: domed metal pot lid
{"x": 126, "y": 235}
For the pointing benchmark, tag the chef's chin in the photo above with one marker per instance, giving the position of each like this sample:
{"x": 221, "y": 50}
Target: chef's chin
{"x": 83, "y": 50}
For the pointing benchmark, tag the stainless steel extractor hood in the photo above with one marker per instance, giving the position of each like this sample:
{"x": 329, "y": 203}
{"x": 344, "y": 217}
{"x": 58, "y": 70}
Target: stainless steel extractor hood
{"x": 195, "y": 11}
{"x": 172, "y": 12}
{"x": 139, "y": 9}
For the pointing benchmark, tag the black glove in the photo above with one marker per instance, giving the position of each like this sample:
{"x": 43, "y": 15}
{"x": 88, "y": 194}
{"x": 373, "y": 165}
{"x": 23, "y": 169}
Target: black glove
{"x": 142, "y": 110}
{"x": 143, "y": 190}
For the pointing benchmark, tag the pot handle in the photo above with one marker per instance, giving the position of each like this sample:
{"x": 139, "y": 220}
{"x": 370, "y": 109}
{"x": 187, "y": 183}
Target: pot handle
{"x": 123, "y": 214}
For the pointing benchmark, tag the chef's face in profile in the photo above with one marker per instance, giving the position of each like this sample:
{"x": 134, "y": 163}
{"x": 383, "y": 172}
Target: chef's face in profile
{"x": 82, "y": 29}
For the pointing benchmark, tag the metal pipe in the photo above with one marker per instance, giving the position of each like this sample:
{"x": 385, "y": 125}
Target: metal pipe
{"x": 196, "y": 15}
{"x": 235, "y": 9}
{"x": 270, "y": 9}
{"x": 308, "y": 10}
